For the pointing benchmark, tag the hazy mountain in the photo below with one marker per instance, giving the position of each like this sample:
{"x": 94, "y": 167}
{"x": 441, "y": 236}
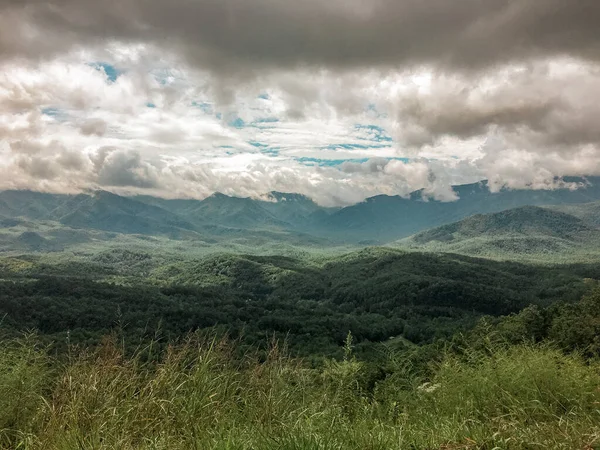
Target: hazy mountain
{"x": 275, "y": 209}
{"x": 528, "y": 230}
{"x": 588, "y": 212}
{"x": 526, "y": 220}
{"x": 377, "y": 220}
{"x": 29, "y": 204}
{"x": 237, "y": 212}
{"x": 296, "y": 209}
{"x": 386, "y": 218}
{"x": 105, "y": 211}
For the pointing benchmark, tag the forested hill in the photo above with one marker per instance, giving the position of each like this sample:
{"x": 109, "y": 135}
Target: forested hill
{"x": 377, "y": 294}
{"x": 547, "y": 234}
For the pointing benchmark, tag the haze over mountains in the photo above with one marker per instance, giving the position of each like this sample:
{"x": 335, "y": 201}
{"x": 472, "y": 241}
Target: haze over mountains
{"x": 36, "y": 220}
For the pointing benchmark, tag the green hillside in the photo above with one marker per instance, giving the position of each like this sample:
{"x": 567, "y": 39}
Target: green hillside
{"x": 375, "y": 293}
{"x": 160, "y": 324}
{"x": 520, "y": 233}
{"x": 588, "y": 212}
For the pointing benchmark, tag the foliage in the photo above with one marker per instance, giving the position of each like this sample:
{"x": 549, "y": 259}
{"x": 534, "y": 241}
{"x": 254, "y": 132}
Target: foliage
{"x": 377, "y": 294}
{"x": 571, "y": 326}
{"x": 197, "y": 396}
{"x": 529, "y": 233}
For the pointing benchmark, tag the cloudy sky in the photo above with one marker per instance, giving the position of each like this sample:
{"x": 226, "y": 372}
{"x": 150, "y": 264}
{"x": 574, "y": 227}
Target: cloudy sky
{"x": 337, "y": 99}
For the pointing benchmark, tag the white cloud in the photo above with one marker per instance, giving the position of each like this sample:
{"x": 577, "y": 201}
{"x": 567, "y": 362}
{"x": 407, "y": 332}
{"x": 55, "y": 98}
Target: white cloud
{"x": 171, "y": 129}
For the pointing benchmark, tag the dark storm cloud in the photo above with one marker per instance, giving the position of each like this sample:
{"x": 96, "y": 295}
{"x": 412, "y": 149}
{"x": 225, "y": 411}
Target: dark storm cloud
{"x": 224, "y": 34}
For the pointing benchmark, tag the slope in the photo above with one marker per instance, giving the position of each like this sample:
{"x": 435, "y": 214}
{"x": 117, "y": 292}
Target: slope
{"x": 105, "y": 211}
{"x": 528, "y": 231}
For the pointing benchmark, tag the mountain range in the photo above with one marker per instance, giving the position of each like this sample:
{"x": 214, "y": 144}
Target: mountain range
{"x": 297, "y": 219}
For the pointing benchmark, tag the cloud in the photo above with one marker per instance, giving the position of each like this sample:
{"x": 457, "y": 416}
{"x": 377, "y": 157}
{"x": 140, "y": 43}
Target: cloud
{"x": 337, "y": 100}
{"x": 125, "y": 169}
{"x": 38, "y": 167}
{"x": 543, "y": 104}
{"x": 223, "y": 35}
{"x": 93, "y": 127}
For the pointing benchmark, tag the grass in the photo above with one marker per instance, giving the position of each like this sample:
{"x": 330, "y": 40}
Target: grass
{"x": 197, "y": 395}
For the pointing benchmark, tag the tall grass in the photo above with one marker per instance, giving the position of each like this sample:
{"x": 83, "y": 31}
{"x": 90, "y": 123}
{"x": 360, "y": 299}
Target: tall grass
{"x": 199, "y": 396}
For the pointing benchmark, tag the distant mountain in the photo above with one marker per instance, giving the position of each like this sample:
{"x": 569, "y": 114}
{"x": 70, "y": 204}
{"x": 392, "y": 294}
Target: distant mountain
{"x": 219, "y": 218}
{"x": 275, "y": 209}
{"x": 296, "y": 209}
{"x": 235, "y": 212}
{"x": 528, "y": 230}
{"x": 386, "y": 218}
{"x": 285, "y": 216}
{"x": 105, "y": 211}
{"x": 526, "y": 220}
{"x": 29, "y": 204}
{"x": 100, "y": 210}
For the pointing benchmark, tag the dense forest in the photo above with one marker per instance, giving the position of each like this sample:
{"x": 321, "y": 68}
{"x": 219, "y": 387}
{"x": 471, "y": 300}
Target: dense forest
{"x": 527, "y": 380}
{"x": 376, "y": 294}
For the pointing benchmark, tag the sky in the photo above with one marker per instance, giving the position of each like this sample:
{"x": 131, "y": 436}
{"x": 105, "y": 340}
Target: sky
{"x": 338, "y": 100}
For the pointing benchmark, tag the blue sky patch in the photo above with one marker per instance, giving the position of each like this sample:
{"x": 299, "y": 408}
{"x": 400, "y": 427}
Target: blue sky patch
{"x": 264, "y": 96}
{"x": 52, "y": 112}
{"x": 353, "y": 146}
{"x": 375, "y": 132}
{"x": 337, "y": 162}
{"x": 267, "y": 120}
{"x": 56, "y": 113}
{"x": 274, "y": 151}
{"x": 111, "y": 72}
{"x": 265, "y": 149}
{"x": 328, "y": 162}
{"x": 205, "y": 107}
{"x": 150, "y": 105}
{"x": 257, "y": 144}
{"x": 237, "y": 123}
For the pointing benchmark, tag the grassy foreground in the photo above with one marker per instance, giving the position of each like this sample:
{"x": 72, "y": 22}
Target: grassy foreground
{"x": 199, "y": 396}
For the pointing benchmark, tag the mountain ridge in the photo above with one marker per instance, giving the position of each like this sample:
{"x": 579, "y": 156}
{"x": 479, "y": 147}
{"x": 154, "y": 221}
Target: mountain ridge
{"x": 377, "y": 220}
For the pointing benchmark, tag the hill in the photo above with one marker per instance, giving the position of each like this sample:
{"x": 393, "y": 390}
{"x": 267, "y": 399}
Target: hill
{"x": 588, "y": 212}
{"x": 527, "y": 231}
{"x": 32, "y": 241}
{"x": 375, "y": 293}
{"x": 29, "y": 204}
